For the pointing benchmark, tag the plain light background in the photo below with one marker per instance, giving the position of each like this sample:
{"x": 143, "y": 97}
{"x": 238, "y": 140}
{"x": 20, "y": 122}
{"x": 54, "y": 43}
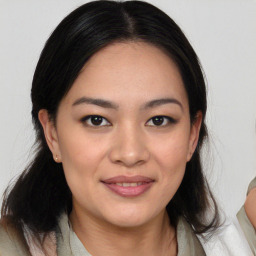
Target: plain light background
{"x": 222, "y": 32}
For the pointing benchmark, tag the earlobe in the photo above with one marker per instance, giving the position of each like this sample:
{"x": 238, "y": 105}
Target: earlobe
{"x": 194, "y": 134}
{"x": 50, "y": 134}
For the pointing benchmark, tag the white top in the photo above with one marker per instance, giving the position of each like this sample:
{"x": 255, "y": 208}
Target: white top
{"x": 229, "y": 241}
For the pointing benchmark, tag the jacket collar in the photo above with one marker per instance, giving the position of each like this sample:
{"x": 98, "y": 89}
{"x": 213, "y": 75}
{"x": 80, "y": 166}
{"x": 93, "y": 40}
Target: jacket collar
{"x": 188, "y": 243}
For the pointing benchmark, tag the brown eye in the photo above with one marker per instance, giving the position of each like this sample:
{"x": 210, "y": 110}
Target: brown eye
{"x": 160, "y": 121}
{"x": 95, "y": 120}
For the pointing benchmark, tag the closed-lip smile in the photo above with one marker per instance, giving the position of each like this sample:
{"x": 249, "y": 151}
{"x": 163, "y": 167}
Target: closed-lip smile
{"x": 128, "y": 186}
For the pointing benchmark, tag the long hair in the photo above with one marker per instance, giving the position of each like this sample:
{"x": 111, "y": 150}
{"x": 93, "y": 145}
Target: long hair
{"x": 41, "y": 193}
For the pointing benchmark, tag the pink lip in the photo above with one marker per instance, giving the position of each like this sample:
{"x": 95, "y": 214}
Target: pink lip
{"x": 126, "y": 179}
{"x": 128, "y": 191}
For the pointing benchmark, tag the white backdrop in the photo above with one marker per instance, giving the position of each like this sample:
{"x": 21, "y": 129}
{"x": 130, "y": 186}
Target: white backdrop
{"x": 223, "y": 33}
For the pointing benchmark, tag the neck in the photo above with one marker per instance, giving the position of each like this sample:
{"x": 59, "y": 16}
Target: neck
{"x": 154, "y": 238}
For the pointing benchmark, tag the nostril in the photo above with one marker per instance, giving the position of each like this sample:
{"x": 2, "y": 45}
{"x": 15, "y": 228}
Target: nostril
{"x": 129, "y": 160}
{"x": 129, "y": 149}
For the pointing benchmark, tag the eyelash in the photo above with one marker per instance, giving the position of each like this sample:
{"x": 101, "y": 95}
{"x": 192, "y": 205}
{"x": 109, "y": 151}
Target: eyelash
{"x": 167, "y": 120}
{"x": 85, "y": 119}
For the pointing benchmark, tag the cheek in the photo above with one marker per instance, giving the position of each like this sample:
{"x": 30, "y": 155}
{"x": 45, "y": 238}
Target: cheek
{"x": 172, "y": 152}
{"x": 81, "y": 160}
{"x": 80, "y": 150}
{"x": 82, "y": 157}
{"x": 171, "y": 159}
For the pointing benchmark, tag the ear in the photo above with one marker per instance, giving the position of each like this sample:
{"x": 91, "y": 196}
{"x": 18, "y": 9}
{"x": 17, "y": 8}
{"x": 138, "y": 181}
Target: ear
{"x": 194, "y": 134}
{"x": 50, "y": 134}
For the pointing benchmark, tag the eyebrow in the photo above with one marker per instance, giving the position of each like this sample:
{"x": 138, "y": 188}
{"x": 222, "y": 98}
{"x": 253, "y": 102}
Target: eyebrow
{"x": 108, "y": 104}
{"x": 159, "y": 102}
{"x": 99, "y": 102}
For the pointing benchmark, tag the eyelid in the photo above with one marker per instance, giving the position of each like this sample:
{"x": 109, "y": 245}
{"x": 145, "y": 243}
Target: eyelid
{"x": 169, "y": 119}
{"x": 86, "y": 118}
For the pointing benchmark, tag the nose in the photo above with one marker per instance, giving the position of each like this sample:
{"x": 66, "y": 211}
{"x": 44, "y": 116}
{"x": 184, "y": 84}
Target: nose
{"x": 129, "y": 147}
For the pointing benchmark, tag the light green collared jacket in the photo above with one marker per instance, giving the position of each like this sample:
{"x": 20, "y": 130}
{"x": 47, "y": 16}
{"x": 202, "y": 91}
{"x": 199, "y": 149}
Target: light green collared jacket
{"x": 67, "y": 243}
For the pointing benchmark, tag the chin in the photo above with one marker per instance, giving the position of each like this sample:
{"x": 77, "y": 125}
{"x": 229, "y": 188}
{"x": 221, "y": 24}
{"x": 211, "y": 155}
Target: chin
{"x": 128, "y": 223}
{"x": 129, "y": 218}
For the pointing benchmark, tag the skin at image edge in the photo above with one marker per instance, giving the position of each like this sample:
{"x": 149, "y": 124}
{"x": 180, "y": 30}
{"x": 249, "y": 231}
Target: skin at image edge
{"x": 250, "y": 207}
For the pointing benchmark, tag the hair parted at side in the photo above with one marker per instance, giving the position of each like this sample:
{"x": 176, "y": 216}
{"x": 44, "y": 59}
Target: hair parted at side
{"x": 41, "y": 193}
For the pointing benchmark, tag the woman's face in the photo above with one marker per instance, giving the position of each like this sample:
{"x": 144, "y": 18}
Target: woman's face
{"x": 123, "y": 134}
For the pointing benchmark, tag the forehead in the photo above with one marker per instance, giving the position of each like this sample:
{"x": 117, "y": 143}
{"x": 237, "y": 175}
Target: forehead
{"x": 129, "y": 71}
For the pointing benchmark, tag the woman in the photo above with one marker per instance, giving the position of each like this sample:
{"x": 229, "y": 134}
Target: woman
{"x": 119, "y": 104}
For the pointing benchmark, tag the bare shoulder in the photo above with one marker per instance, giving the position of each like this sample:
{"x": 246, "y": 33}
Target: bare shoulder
{"x": 11, "y": 243}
